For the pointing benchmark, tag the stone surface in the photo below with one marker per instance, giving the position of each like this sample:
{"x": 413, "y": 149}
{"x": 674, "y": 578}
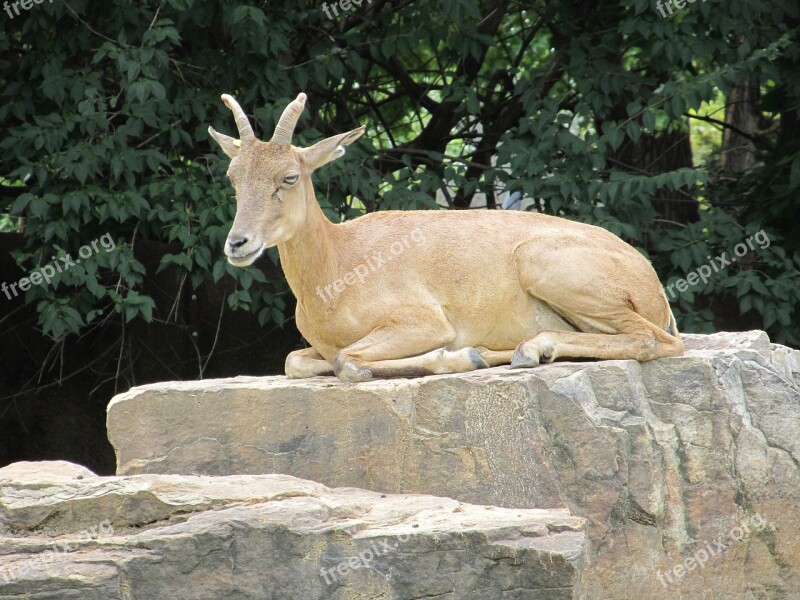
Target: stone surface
{"x": 53, "y": 468}
{"x": 149, "y": 537}
{"x": 663, "y": 458}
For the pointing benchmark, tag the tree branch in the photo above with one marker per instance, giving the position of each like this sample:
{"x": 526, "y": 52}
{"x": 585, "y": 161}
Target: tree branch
{"x": 733, "y": 128}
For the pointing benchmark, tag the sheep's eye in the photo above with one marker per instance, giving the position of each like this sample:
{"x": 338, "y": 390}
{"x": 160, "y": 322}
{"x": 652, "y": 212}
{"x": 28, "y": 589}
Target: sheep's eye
{"x": 290, "y": 179}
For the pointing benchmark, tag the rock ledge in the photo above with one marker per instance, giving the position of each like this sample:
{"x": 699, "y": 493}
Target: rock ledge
{"x": 269, "y": 536}
{"x": 661, "y": 458}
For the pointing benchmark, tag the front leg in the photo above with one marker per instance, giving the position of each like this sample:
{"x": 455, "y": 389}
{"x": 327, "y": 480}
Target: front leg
{"x": 306, "y": 363}
{"x": 435, "y": 362}
{"x": 412, "y": 343}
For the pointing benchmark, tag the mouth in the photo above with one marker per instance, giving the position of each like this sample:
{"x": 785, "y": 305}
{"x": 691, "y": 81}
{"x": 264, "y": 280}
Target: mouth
{"x": 246, "y": 259}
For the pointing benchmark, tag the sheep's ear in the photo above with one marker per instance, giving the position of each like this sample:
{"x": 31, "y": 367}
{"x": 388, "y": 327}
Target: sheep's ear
{"x": 230, "y": 146}
{"x": 329, "y": 149}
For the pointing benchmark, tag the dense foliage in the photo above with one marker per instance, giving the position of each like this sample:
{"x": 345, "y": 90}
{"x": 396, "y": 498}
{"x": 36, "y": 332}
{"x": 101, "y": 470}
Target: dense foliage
{"x": 580, "y": 108}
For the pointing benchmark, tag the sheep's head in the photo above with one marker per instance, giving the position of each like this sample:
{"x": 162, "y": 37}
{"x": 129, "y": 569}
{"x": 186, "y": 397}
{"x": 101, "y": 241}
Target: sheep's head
{"x": 272, "y": 180}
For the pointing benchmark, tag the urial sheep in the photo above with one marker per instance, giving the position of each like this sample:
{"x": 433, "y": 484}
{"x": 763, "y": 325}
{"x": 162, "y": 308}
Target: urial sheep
{"x": 411, "y": 293}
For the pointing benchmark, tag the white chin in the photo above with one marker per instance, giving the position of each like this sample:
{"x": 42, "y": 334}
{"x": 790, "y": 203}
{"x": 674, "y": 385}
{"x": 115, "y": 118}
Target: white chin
{"x": 247, "y": 260}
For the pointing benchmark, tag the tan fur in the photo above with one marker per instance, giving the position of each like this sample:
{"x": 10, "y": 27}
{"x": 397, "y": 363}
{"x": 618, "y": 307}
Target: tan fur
{"x": 463, "y": 289}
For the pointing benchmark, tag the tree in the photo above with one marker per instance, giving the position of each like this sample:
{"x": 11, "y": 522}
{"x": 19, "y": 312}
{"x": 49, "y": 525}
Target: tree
{"x": 581, "y": 107}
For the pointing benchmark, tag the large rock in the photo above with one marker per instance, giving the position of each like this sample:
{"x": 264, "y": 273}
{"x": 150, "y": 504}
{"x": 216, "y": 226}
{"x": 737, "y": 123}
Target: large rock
{"x": 148, "y": 537}
{"x": 663, "y": 458}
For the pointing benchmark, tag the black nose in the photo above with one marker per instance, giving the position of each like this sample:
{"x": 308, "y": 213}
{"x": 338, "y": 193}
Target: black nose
{"x": 234, "y": 243}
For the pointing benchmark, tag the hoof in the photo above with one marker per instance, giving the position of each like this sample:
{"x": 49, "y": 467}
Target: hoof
{"x": 350, "y": 373}
{"x": 477, "y": 360}
{"x": 534, "y": 352}
{"x": 520, "y": 360}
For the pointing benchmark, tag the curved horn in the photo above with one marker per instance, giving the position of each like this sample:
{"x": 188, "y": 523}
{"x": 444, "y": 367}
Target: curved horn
{"x": 285, "y": 127}
{"x": 242, "y": 124}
